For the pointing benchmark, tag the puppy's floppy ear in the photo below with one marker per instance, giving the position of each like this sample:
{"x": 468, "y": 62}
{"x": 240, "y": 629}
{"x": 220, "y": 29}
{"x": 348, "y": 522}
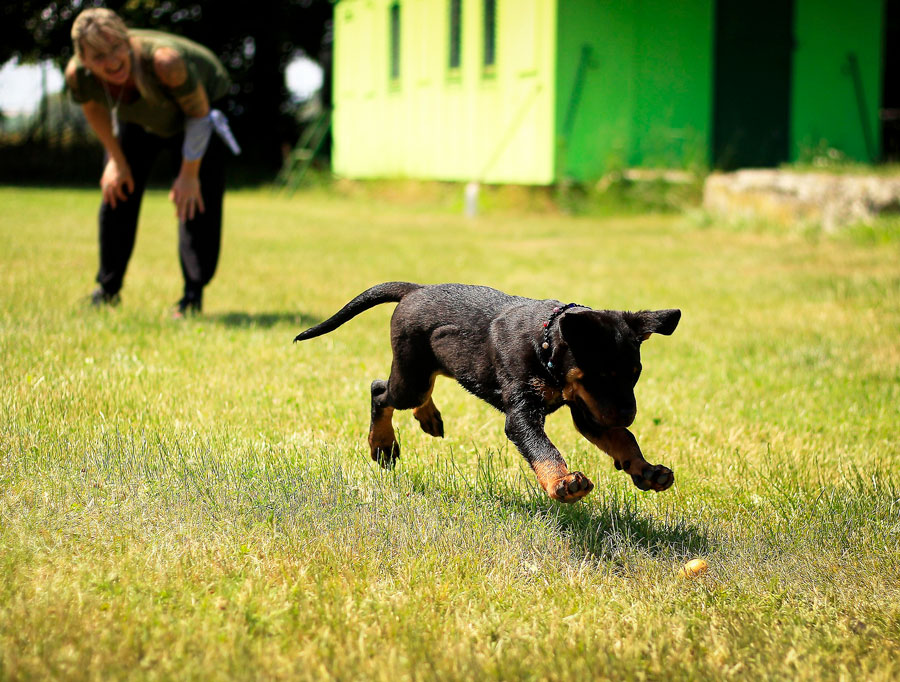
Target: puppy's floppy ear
{"x": 585, "y": 330}
{"x": 647, "y": 322}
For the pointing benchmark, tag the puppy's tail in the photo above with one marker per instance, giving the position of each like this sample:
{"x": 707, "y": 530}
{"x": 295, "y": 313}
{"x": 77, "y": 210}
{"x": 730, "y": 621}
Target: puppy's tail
{"x": 389, "y": 292}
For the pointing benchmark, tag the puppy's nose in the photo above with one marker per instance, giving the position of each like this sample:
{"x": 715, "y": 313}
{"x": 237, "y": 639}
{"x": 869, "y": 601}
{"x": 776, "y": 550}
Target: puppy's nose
{"x": 626, "y": 417}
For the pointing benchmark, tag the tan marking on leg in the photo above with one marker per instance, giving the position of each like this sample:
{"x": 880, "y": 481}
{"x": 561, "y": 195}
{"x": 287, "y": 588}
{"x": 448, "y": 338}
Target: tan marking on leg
{"x": 561, "y": 484}
{"x": 549, "y": 473}
{"x": 382, "y": 441}
{"x": 425, "y": 411}
{"x": 429, "y": 418}
{"x": 628, "y": 457}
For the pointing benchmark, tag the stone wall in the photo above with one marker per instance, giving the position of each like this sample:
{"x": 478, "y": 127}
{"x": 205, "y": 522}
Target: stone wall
{"x": 789, "y": 197}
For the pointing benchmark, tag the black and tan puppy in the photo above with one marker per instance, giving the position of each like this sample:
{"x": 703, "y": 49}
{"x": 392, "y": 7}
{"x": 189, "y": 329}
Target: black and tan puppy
{"x": 525, "y": 357}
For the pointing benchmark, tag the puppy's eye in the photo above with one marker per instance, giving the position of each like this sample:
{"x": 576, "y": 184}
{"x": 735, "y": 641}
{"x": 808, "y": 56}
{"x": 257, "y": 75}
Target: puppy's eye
{"x": 637, "y": 370}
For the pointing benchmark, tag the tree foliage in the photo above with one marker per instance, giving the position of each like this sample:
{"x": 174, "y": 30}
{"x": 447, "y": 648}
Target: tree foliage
{"x": 255, "y": 41}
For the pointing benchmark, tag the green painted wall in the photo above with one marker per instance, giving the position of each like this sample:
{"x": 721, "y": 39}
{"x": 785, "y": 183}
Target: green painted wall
{"x": 671, "y": 125}
{"x": 643, "y": 97}
{"x": 824, "y": 103}
{"x": 467, "y": 125}
{"x": 595, "y": 109}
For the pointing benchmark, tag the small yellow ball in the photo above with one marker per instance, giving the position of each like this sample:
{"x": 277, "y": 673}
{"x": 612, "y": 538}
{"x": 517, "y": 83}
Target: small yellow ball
{"x": 694, "y": 568}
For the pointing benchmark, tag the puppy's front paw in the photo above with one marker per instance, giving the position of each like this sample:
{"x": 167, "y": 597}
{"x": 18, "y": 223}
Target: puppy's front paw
{"x": 654, "y": 477}
{"x": 384, "y": 448}
{"x": 570, "y": 488}
{"x": 386, "y": 456}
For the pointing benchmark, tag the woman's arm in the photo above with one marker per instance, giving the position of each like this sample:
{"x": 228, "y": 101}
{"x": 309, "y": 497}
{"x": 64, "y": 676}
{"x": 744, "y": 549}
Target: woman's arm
{"x": 117, "y": 173}
{"x": 172, "y": 71}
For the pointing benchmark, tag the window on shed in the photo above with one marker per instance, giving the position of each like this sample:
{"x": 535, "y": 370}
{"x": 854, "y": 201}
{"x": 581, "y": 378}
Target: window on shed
{"x": 455, "y": 33}
{"x": 395, "y": 41}
{"x": 490, "y": 33}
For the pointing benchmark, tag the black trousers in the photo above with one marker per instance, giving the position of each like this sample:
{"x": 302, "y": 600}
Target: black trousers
{"x": 199, "y": 239}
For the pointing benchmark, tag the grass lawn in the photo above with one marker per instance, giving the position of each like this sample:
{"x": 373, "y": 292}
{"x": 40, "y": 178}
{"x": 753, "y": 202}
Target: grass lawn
{"x": 195, "y": 500}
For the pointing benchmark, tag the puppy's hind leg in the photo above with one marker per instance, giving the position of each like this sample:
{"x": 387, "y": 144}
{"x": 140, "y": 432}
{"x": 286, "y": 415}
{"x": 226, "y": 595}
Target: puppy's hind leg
{"x": 428, "y": 416}
{"x": 409, "y": 387}
{"x": 383, "y": 443}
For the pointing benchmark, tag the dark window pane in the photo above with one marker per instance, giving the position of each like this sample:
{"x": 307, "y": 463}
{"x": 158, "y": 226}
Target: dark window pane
{"x": 455, "y": 33}
{"x": 490, "y": 32}
{"x": 395, "y": 41}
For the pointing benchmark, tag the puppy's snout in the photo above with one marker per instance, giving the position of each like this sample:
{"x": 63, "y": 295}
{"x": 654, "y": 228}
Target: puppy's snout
{"x": 623, "y": 412}
{"x": 626, "y": 417}
{"x": 612, "y": 416}
{"x": 605, "y": 407}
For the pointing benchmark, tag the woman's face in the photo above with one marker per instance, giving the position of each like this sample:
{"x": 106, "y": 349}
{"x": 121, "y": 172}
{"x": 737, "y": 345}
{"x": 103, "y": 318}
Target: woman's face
{"x": 109, "y": 59}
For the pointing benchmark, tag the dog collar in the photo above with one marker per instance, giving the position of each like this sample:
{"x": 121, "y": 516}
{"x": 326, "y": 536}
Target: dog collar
{"x": 546, "y": 350}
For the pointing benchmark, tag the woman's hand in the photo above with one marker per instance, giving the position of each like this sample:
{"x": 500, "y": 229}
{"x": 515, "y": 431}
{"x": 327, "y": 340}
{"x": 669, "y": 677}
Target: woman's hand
{"x": 115, "y": 180}
{"x": 185, "y": 194}
{"x": 172, "y": 70}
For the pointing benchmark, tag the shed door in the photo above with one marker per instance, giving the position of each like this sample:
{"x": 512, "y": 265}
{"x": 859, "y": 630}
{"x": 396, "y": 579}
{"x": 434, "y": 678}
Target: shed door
{"x": 752, "y": 86}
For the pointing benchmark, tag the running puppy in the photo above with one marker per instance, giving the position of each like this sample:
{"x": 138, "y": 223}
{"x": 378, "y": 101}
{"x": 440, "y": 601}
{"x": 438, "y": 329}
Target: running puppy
{"x": 525, "y": 357}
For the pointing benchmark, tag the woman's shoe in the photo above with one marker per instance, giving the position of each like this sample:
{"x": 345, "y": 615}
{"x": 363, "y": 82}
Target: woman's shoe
{"x": 188, "y": 305}
{"x": 101, "y": 297}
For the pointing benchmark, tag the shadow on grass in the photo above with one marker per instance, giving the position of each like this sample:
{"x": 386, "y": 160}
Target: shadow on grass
{"x": 241, "y": 320}
{"x": 614, "y": 524}
{"x": 606, "y": 525}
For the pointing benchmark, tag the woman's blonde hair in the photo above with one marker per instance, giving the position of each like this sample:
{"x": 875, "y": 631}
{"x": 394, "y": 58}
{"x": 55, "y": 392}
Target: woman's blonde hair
{"x": 102, "y": 28}
{"x": 98, "y": 27}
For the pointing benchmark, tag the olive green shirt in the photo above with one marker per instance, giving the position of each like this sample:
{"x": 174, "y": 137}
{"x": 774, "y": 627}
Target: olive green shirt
{"x": 156, "y": 109}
